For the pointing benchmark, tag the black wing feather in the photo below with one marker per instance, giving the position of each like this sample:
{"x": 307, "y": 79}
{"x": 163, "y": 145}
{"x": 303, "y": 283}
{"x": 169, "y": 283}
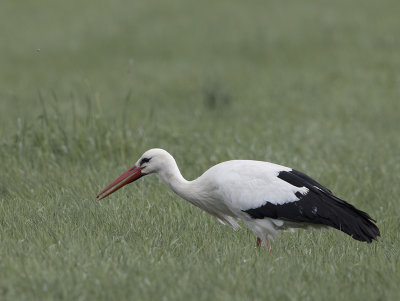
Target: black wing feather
{"x": 319, "y": 206}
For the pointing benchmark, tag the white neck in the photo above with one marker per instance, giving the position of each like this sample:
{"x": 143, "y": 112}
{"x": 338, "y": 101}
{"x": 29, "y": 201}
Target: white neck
{"x": 174, "y": 180}
{"x": 195, "y": 192}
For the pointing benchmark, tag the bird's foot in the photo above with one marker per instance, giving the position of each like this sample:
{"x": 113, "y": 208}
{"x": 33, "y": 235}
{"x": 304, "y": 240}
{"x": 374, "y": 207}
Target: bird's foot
{"x": 258, "y": 242}
{"x": 267, "y": 243}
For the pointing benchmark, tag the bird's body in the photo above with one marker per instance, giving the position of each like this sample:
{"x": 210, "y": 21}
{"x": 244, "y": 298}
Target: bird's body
{"x": 267, "y": 197}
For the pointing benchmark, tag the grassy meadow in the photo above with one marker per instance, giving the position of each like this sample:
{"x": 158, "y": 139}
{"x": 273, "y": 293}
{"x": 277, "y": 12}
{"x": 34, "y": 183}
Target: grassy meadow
{"x": 87, "y": 86}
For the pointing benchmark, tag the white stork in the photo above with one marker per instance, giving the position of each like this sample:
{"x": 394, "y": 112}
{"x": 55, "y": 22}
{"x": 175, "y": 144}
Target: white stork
{"x": 267, "y": 197}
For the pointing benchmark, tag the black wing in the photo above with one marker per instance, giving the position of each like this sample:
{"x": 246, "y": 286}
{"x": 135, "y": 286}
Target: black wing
{"x": 319, "y": 206}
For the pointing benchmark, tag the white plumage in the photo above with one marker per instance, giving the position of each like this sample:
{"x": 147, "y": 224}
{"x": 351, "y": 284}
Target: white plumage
{"x": 267, "y": 197}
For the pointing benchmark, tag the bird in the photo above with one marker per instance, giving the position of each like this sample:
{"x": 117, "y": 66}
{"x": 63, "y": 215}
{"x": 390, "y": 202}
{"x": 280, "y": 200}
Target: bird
{"x": 267, "y": 197}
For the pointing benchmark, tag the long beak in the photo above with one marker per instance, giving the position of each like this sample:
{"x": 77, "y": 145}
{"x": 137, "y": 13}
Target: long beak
{"x": 127, "y": 177}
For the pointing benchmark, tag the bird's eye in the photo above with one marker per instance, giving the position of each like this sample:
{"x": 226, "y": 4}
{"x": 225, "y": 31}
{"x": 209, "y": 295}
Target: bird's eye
{"x": 144, "y": 160}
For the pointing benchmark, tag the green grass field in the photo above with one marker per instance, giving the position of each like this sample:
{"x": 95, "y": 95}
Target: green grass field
{"x": 87, "y": 86}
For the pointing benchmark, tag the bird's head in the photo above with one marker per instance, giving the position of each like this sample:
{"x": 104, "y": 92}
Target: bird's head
{"x": 155, "y": 160}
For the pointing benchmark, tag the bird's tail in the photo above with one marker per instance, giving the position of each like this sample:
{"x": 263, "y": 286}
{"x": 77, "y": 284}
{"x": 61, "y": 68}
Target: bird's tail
{"x": 352, "y": 221}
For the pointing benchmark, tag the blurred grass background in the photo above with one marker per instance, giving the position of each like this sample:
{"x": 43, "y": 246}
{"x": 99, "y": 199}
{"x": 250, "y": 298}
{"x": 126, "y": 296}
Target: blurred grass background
{"x": 87, "y": 86}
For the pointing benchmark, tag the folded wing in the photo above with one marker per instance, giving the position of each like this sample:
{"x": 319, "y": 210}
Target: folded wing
{"x": 316, "y": 205}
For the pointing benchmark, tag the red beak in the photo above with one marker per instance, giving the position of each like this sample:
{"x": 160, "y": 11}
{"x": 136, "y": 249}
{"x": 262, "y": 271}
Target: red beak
{"x": 127, "y": 177}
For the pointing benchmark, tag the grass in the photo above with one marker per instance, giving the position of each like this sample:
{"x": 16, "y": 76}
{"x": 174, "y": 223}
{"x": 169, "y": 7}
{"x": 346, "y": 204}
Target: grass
{"x": 87, "y": 87}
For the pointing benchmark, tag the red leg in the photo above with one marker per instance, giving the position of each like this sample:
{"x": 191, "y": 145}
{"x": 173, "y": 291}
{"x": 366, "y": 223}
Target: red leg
{"x": 258, "y": 242}
{"x": 268, "y": 246}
